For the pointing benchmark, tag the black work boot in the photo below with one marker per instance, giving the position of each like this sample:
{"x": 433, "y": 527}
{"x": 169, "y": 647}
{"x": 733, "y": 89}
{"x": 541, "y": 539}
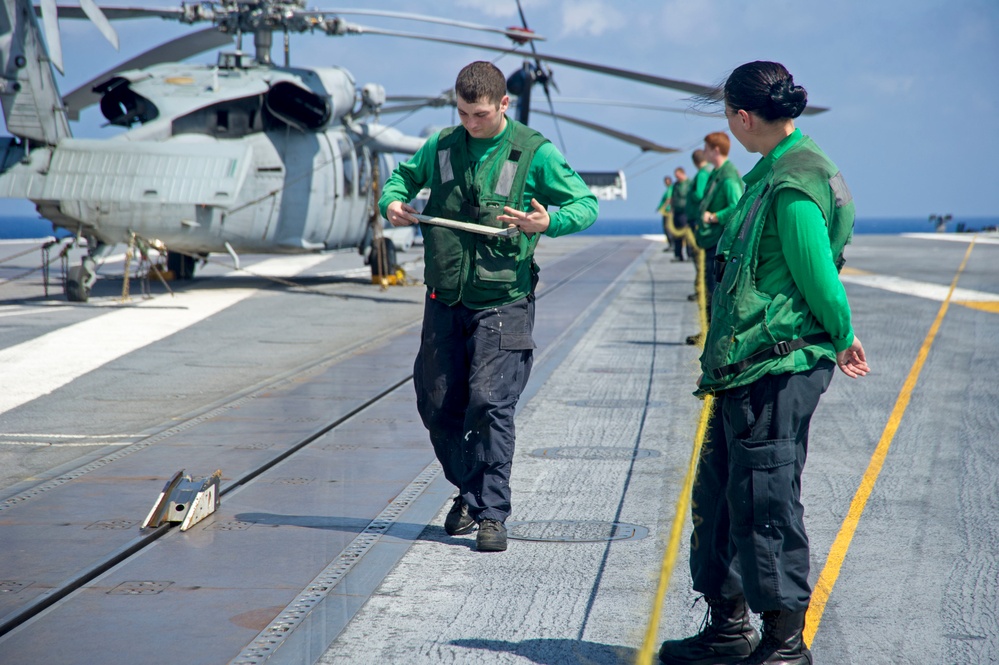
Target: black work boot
{"x": 727, "y": 636}
{"x": 458, "y": 522}
{"x": 782, "y": 643}
{"x": 492, "y": 536}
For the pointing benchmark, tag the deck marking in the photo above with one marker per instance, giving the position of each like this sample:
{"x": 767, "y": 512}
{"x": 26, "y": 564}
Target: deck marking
{"x": 63, "y": 355}
{"x": 909, "y": 287}
{"x": 54, "y": 444}
{"x": 837, "y": 553}
{"x": 36, "y": 435}
{"x": 988, "y": 238}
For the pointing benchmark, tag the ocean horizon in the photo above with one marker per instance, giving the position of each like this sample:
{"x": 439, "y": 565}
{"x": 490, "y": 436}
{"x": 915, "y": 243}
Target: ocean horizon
{"x": 22, "y": 227}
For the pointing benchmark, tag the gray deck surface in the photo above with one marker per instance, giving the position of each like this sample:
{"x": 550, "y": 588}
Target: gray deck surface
{"x": 605, "y": 433}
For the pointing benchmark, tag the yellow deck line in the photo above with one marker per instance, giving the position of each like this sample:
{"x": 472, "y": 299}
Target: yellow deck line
{"x": 837, "y": 553}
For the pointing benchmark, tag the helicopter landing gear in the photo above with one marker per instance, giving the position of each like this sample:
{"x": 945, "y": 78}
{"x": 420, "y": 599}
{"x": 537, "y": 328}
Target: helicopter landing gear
{"x": 181, "y": 265}
{"x": 382, "y": 259}
{"x": 80, "y": 279}
{"x": 76, "y": 285}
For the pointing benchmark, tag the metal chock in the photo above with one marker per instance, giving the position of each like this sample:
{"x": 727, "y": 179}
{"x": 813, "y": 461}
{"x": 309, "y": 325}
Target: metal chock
{"x": 185, "y": 500}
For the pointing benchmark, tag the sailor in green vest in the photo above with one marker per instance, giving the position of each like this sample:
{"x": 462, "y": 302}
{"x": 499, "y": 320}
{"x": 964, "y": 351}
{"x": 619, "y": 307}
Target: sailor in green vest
{"x": 699, "y": 185}
{"x": 477, "y": 347}
{"x": 665, "y": 209}
{"x": 678, "y": 204}
{"x": 722, "y": 193}
{"x": 780, "y": 325}
{"x": 694, "y": 196}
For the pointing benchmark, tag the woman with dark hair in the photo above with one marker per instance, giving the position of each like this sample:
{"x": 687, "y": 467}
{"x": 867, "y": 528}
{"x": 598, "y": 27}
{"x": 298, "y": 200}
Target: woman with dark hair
{"x": 780, "y": 323}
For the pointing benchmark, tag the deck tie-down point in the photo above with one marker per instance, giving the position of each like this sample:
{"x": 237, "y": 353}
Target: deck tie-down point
{"x": 185, "y": 500}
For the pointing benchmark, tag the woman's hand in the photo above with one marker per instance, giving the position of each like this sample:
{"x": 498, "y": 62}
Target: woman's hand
{"x": 852, "y": 361}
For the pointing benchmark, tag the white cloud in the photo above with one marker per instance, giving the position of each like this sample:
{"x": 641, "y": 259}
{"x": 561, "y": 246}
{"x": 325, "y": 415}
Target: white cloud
{"x": 685, "y": 23}
{"x": 889, "y": 85}
{"x": 590, "y": 17}
{"x": 507, "y": 9}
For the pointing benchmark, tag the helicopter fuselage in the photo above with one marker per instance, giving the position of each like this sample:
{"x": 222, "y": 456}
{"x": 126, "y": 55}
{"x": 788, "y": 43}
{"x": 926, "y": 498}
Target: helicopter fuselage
{"x": 255, "y": 157}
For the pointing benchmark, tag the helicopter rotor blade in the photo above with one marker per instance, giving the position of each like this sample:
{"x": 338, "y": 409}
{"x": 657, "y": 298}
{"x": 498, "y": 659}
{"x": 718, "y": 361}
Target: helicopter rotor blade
{"x": 115, "y": 13}
{"x": 418, "y": 102}
{"x": 644, "y": 144}
{"x": 519, "y": 36}
{"x": 174, "y": 50}
{"x": 684, "y": 86}
{"x": 409, "y": 98}
{"x": 97, "y": 17}
{"x": 650, "y": 107}
{"x": 405, "y": 108}
{"x": 50, "y": 19}
{"x": 545, "y": 78}
{"x": 448, "y": 100}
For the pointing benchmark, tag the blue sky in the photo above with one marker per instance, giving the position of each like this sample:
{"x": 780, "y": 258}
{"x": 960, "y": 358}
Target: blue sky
{"x": 913, "y": 84}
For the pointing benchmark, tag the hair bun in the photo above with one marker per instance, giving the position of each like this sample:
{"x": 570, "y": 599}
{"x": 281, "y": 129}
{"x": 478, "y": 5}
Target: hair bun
{"x": 787, "y": 100}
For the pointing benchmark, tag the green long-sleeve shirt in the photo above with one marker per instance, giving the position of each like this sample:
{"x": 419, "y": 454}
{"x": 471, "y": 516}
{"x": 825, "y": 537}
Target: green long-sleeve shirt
{"x": 724, "y": 190}
{"x": 726, "y": 196}
{"x": 696, "y": 193}
{"x": 794, "y": 249}
{"x": 664, "y": 202}
{"x": 551, "y": 181}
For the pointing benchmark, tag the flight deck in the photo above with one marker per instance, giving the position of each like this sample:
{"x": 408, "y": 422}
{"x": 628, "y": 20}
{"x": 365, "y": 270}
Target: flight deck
{"x": 292, "y": 377}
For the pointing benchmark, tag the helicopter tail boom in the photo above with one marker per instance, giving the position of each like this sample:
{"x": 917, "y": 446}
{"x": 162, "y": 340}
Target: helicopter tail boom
{"x": 32, "y": 107}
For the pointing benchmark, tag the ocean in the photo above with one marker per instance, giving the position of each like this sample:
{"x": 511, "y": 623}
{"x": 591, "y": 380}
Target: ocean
{"x": 873, "y": 225}
{"x": 12, "y": 228}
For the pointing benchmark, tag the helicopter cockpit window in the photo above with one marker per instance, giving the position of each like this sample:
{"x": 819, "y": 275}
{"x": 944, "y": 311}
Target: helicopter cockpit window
{"x": 122, "y": 106}
{"x": 297, "y": 106}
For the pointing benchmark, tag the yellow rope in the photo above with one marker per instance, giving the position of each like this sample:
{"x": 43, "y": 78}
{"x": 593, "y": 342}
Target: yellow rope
{"x": 648, "y": 650}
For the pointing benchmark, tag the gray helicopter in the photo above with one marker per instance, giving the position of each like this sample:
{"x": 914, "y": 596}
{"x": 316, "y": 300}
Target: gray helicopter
{"x": 241, "y": 157}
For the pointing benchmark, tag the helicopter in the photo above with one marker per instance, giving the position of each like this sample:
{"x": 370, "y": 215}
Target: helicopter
{"x": 245, "y": 156}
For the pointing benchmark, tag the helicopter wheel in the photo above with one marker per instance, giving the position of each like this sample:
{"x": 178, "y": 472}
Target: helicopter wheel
{"x": 76, "y": 290}
{"x": 181, "y": 265}
{"x": 382, "y": 257}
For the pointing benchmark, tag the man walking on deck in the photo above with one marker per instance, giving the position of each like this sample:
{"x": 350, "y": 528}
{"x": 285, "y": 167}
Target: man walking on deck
{"x": 476, "y": 347}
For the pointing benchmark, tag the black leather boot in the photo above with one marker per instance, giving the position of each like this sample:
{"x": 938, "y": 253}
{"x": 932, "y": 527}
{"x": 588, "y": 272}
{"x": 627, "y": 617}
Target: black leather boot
{"x": 782, "y": 643}
{"x": 726, "y": 637}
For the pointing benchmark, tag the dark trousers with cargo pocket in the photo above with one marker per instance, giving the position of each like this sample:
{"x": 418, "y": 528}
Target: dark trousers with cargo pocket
{"x": 469, "y": 373}
{"x": 749, "y": 535}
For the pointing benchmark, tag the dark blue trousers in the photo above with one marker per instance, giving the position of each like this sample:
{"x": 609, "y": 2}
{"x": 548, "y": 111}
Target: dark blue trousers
{"x": 469, "y": 373}
{"x": 749, "y": 535}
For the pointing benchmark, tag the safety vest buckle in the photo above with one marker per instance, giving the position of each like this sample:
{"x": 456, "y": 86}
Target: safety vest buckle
{"x": 783, "y": 348}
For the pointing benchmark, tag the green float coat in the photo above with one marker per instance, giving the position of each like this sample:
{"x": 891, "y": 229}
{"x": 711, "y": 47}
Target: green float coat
{"x": 482, "y": 271}
{"x": 782, "y": 247}
{"x": 722, "y": 193}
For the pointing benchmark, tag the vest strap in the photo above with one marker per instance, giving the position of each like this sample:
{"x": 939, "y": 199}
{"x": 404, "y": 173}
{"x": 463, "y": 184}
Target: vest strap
{"x": 779, "y": 349}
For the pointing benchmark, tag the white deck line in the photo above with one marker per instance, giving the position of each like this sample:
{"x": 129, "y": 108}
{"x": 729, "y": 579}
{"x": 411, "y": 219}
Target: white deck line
{"x": 59, "y": 357}
{"x": 917, "y": 289}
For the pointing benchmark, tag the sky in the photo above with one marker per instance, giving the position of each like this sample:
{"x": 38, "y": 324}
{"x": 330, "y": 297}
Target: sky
{"x": 913, "y": 85}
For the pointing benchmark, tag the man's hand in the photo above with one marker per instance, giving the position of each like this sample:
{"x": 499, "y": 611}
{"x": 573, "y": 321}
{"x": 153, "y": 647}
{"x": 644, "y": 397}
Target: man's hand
{"x": 709, "y": 218}
{"x": 852, "y": 361}
{"x": 401, "y": 214}
{"x": 536, "y": 221}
